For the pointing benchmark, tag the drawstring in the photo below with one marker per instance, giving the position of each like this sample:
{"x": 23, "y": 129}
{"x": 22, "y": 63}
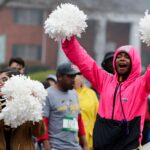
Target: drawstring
{"x": 149, "y": 105}
{"x": 122, "y": 105}
{"x": 124, "y": 122}
{"x": 114, "y": 101}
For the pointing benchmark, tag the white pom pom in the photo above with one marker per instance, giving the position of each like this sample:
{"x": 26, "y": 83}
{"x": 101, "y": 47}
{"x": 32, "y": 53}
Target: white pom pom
{"x": 65, "y": 21}
{"x": 24, "y": 101}
{"x": 145, "y": 28}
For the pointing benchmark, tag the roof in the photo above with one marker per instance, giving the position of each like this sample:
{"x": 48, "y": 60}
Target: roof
{"x": 118, "y": 6}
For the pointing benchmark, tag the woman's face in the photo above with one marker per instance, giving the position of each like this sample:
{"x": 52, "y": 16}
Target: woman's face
{"x": 78, "y": 81}
{"x": 3, "y": 78}
{"x": 123, "y": 64}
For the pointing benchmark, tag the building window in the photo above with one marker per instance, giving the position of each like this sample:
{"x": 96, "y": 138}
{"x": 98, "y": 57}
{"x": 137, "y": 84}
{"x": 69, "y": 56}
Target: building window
{"x": 28, "y": 16}
{"x": 116, "y": 28}
{"x": 27, "y": 52}
{"x": 2, "y": 48}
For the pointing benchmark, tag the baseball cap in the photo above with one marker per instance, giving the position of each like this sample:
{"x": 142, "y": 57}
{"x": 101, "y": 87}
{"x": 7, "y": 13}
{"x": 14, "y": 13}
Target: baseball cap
{"x": 67, "y": 69}
{"x": 52, "y": 77}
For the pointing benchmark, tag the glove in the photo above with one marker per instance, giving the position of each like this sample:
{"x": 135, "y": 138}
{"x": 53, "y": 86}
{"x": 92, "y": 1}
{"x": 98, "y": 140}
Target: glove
{"x": 2, "y": 103}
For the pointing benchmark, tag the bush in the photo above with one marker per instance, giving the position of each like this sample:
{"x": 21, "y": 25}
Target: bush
{"x": 36, "y": 71}
{"x": 41, "y": 75}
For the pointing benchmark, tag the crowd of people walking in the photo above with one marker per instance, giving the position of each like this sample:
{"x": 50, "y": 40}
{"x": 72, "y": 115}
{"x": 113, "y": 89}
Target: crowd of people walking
{"x": 62, "y": 112}
{"x": 72, "y": 118}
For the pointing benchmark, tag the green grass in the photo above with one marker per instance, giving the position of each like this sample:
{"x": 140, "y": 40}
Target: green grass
{"x": 41, "y": 75}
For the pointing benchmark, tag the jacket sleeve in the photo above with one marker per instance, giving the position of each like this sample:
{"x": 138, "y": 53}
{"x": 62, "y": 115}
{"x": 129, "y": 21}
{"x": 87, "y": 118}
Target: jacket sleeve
{"x": 45, "y": 136}
{"x": 88, "y": 67}
{"x": 81, "y": 131}
{"x": 147, "y": 78}
{"x": 95, "y": 99}
{"x": 38, "y": 128}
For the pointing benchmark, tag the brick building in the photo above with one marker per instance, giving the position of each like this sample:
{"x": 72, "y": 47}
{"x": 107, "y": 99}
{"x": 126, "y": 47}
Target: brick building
{"x": 111, "y": 23}
{"x": 22, "y": 35}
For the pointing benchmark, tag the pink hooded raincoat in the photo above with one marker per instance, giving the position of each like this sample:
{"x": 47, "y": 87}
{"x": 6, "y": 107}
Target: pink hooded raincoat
{"x": 134, "y": 89}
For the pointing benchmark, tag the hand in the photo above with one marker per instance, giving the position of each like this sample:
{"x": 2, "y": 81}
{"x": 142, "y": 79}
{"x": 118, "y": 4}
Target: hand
{"x": 85, "y": 148}
{"x": 46, "y": 145}
{"x": 83, "y": 142}
{"x": 66, "y": 42}
{"x": 1, "y": 94}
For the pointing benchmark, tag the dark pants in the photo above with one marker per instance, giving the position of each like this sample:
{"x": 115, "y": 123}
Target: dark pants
{"x": 146, "y": 132}
{"x": 116, "y": 135}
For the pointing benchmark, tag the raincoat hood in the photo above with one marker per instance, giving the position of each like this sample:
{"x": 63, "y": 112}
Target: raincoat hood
{"x": 135, "y": 61}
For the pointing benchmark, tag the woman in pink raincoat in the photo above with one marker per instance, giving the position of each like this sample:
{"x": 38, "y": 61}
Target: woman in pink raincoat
{"x": 123, "y": 96}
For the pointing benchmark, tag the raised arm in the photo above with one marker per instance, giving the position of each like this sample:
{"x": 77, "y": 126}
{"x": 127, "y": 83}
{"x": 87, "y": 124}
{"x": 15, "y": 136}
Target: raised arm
{"x": 88, "y": 67}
